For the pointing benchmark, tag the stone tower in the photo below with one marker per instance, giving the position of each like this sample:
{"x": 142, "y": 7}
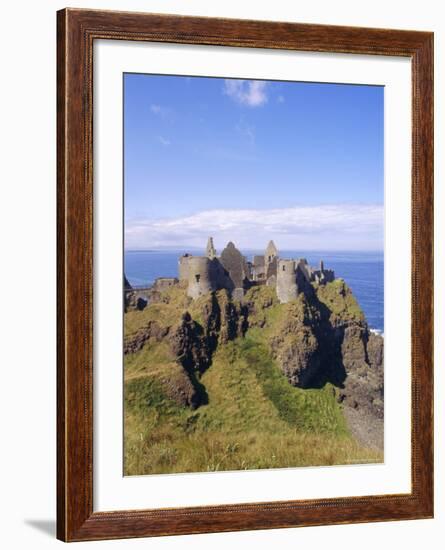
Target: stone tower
{"x": 199, "y": 276}
{"x": 210, "y": 249}
{"x": 183, "y": 267}
{"x": 287, "y": 289}
{"x": 270, "y": 260}
{"x": 271, "y": 252}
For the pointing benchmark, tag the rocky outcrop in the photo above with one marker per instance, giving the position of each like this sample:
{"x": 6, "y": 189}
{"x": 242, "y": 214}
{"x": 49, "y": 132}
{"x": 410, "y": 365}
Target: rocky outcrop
{"x": 323, "y": 337}
{"x": 152, "y": 331}
{"x": 363, "y": 360}
{"x": 183, "y": 389}
{"x": 233, "y": 319}
{"x": 194, "y": 343}
{"x": 375, "y": 349}
{"x": 298, "y": 354}
{"x": 189, "y": 345}
{"x": 136, "y": 300}
{"x": 320, "y": 337}
{"x": 294, "y": 343}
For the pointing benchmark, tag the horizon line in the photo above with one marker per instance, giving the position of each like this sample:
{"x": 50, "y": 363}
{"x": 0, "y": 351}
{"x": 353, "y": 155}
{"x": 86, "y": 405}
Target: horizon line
{"x": 179, "y": 248}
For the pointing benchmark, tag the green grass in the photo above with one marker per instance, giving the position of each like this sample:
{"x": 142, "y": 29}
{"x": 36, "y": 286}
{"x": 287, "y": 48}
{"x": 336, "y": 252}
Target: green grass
{"x": 337, "y": 296}
{"x": 254, "y": 419}
{"x": 306, "y": 410}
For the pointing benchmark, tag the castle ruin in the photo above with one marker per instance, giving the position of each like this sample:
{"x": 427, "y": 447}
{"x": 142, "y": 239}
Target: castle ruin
{"x": 232, "y": 271}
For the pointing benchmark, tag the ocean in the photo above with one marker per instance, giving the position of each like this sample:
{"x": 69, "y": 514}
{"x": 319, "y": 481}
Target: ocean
{"x": 362, "y": 271}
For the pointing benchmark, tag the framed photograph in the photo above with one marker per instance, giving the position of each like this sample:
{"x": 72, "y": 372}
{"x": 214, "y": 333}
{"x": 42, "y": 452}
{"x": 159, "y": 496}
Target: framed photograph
{"x": 245, "y": 275}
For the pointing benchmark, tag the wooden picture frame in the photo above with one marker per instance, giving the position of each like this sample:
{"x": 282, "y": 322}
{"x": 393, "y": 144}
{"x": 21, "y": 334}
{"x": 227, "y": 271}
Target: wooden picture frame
{"x": 76, "y": 32}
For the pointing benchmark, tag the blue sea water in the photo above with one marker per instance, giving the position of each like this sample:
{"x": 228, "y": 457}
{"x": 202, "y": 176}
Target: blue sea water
{"x": 362, "y": 271}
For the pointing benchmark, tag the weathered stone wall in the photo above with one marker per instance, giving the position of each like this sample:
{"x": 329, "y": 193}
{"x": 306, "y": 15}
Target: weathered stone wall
{"x": 272, "y": 268}
{"x": 231, "y": 271}
{"x": 323, "y": 276}
{"x": 270, "y": 253}
{"x": 329, "y": 275}
{"x": 235, "y": 264}
{"x": 183, "y": 267}
{"x": 210, "y": 249}
{"x": 199, "y": 276}
{"x": 258, "y": 268}
{"x": 161, "y": 283}
{"x": 305, "y": 269}
{"x": 219, "y": 276}
{"x": 287, "y": 289}
{"x": 270, "y": 260}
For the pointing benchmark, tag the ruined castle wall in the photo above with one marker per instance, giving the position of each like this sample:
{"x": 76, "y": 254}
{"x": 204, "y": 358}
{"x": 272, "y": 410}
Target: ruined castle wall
{"x": 272, "y": 268}
{"x": 183, "y": 267}
{"x": 329, "y": 275}
{"x": 271, "y": 252}
{"x": 219, "y": 276}
{"x": 161, "y": 283}
{"x": 323, "y": 277}
{"x": 258, "y": 269}
{"x": 235, "y": 265}
{"x": 199, "y": 276}
{"x": 287, "y": 289}
{"x": 305, "y": 269}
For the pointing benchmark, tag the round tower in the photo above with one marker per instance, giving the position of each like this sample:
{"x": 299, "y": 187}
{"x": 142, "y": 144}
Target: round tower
{"x": 287, "y": 289}
{"x": 199, "y": 276}
{"x": 183, "y": 267}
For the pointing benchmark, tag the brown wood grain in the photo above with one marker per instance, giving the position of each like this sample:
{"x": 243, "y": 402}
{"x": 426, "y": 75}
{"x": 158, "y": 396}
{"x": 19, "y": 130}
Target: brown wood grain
{"x": 76, "y": 32}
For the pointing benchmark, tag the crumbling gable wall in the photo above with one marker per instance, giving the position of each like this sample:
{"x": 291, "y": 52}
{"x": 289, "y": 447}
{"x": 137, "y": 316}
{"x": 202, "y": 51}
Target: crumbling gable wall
{"x": 235, "y": 264}
{"x": 232, "y": 272}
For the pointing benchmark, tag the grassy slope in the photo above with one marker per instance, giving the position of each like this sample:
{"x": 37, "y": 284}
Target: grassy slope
{"x": 254, "y": 418}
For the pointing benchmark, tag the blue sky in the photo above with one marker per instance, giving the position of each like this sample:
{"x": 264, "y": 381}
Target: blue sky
{"x": 247, "y": 161}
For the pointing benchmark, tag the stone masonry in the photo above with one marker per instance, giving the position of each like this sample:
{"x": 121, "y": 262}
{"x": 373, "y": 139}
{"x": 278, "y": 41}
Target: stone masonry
{"x": 232, "y": 271}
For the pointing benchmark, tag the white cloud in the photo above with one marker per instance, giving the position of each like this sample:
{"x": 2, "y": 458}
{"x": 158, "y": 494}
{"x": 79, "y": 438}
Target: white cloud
{"x": 246, "y": 92}
{"x": 164, "y": 141}
{"x": 325, "y": 227}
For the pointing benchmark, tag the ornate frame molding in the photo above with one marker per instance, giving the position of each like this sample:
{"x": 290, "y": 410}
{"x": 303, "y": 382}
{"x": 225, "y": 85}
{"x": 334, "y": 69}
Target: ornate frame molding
{"x": 76, "y": 32}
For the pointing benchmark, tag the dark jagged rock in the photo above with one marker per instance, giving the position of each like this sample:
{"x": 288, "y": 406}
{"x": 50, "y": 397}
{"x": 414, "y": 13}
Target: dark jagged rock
{"x": 211, "y": 320}
{"x": 183, "y": 389}
{"x": 152, "y": 331}
{"x": 188, "y": 344}
{"x": 256, "y": 305}
{"x": 363, "y": 359}
{"x": 375, "y": 350}
{"x": 233, "y": 319}
{"x": 298, "y": 354}
{"x": 194, "y": 343}
{"x": 319, "y": 337}
{"x": 323, "y": 337}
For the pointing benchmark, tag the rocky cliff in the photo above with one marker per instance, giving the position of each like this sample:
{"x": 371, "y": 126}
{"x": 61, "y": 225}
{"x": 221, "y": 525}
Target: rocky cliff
{"x": 321, "y": 337}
